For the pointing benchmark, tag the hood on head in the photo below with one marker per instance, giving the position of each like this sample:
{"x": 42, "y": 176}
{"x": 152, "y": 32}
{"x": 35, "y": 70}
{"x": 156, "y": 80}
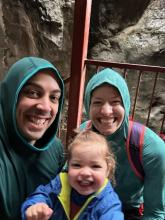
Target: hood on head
{"x": 16, "y": 77}
{"x": 110, "y": 77}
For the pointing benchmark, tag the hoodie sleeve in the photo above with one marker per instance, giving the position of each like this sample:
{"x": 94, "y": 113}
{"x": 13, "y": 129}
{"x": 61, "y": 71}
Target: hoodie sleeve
{"x": 114, "y": 213}
{"x": 46, "y": 194}
{"x": 110, "y": 207}
{"x": 153, "y": 160}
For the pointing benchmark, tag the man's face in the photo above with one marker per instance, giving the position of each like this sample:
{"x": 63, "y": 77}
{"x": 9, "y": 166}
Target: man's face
{"x": 37, "y": 105}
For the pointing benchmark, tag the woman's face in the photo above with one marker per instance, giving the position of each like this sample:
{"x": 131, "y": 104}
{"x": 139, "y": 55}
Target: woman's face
{"x": 106, "y": 109}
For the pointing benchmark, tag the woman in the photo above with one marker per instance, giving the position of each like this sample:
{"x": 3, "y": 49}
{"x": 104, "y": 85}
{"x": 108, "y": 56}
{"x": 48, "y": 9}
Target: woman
{"x": 107, "y": 104}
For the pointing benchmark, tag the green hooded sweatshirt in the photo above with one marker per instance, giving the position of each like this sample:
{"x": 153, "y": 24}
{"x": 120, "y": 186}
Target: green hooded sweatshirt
{"x": 131, "y": 190}
{"x": 24, "y": 166}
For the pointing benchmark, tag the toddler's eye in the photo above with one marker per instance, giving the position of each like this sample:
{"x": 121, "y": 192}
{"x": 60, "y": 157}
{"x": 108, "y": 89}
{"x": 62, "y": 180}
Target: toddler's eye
{"x": 96, "y": 166}
{"x": 75, "y": 165}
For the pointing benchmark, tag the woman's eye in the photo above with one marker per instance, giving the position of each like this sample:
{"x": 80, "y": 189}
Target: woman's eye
{"x": 96, "y": 102}
{"x": 117, "y": 102}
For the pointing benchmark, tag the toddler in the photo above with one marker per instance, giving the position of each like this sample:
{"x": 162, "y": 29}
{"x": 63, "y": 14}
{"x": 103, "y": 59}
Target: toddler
{"x": 85, "y": 190}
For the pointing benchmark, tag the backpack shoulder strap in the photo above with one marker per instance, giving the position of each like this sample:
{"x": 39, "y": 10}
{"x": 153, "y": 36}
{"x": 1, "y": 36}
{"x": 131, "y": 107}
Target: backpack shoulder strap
{"x": 134, "y": 146}
{"x": 88, "y": 124}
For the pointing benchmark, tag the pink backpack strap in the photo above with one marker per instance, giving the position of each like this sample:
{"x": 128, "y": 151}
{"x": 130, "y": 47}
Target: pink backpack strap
{"x": 88, "y": 124}
{"x": 134, "y": 147}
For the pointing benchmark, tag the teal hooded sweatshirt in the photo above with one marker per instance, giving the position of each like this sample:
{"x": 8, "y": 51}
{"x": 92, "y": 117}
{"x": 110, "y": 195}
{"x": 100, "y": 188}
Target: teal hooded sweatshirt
{"x": 131, "y": 190}
{"x": 23, "y": 166}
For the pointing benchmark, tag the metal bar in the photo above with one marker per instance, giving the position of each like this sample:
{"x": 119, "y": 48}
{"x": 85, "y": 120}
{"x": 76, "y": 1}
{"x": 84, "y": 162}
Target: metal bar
{"x": 153, "y": 91}
{"x": 162, "y": 125}
{"x": 97, "y": 69}
{"x": 125, "y": 73}
{"x": 136, "y": 94}
{"x": 126, "y": 65}
{"x": 82, "y": 13}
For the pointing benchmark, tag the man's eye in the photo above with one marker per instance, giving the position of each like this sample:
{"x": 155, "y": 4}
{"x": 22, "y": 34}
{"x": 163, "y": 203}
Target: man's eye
{"x": 31, "y": 93}
{"x": 54, "y": 98}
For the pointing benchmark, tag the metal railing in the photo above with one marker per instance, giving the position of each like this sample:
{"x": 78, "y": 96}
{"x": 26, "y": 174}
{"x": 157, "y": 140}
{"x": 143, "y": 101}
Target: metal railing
{"x": 140, "y": 74}
{"x": 145, "y": 84}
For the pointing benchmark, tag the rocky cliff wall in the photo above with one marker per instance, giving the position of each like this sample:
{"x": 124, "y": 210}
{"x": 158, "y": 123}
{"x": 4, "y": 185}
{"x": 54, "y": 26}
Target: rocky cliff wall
{"x": 128, "y": 31}
{"x": 122, "y": 31}
{"x": 36, "y": 27}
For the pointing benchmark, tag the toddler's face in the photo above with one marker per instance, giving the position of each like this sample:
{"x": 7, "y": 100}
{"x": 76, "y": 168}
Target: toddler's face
{"x": 87, "y": 168}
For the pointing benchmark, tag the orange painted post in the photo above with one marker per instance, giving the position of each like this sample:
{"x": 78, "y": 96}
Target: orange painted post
{"x": 82, "y": 13}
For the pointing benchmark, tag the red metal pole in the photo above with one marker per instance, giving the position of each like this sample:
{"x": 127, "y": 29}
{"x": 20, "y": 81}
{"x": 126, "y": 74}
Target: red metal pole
{"x": 82, "y": 12}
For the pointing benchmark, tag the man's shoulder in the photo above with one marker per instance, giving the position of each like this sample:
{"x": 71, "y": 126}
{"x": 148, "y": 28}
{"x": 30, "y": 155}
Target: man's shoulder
{"x": 56, "y": 144}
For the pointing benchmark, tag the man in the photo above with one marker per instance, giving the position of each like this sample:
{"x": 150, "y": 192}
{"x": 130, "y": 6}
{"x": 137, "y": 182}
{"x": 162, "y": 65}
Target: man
{"x": 31, "y": 98}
